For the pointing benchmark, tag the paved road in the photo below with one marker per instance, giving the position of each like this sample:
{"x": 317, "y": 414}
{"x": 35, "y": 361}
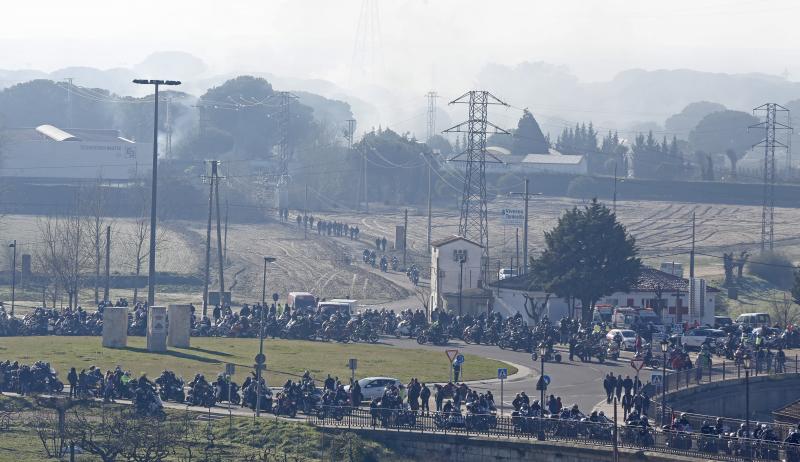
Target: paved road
{"x": 574, "y": 381}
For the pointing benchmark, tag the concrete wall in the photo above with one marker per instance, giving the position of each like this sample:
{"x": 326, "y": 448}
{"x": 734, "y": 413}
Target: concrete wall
{"x": 727, "y": 399}
{"x": 441, "y": 447}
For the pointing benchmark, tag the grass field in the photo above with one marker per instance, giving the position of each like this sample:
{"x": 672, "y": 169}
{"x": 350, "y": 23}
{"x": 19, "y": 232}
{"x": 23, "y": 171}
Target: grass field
{"x": 285, "y": 358}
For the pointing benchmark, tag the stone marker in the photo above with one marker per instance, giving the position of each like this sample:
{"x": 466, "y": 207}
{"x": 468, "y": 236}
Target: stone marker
{"x": 157, "y": 329}
{"x": 115, "y": 327}
{"x": 180, "y": 325}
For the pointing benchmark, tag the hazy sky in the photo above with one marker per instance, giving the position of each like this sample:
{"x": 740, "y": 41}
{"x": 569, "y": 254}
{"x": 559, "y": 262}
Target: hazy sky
{"x": 426, "y": 43}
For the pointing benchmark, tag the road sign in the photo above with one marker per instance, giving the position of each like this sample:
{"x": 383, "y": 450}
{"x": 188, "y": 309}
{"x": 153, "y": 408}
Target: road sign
{"x": 275, "y": 297}
{"x": 637, "y": 363}
{"x": 460, "y": 359}
{"x": 502, "y": 373}
{"x": 230, "y": 369}
{"x": 546, "y": 379}
{"x": 655, "y": 379}
{"x": 513, "y": 217}
{"x": 261, "y": 358}
{"x": 451, "y": 354}
{"x": 352, "y": 364}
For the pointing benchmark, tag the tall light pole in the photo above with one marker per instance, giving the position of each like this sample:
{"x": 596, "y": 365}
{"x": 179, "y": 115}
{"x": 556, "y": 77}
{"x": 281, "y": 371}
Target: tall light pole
{"x": 526, "y": 197}
{"x": 664, "y": 347}
{"x": 260, "y": 365}
{"x": 747, "y": 365}
{"x": 542, "y": 352}
{"x": 151, "y": 276}
{"x": 13, "y": 275}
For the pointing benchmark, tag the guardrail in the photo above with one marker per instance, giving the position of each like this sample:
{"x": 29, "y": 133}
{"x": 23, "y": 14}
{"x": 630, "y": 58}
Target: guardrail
{"x": 584, "y": 432}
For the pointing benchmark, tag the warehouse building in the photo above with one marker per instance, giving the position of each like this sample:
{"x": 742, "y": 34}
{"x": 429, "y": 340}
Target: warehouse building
{"x": 48, "y": 152}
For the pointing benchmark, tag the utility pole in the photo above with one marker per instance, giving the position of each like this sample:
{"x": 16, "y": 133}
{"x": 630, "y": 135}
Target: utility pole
{"x": 431, "y": 95}
{"x": 211, "y": 177}
{"x": 260, "y": 364}
{"x": 770, "y": 141}
{"x": 13, "y": 276}
{"x": 215, "y": 173}
{"x": 526, "y": 195}
{"x": 151, "y": 275}
{"x": 691, "y": 254}
{"x": 106, "y": 291}
{"x": 430, "y": 191}
{"x": 225, "y": 245}
{"x": 405, "y": 237}
{"x": 366, "y": 198}
{"x": 518, "y": 265}
{"x": 474, "y": 222}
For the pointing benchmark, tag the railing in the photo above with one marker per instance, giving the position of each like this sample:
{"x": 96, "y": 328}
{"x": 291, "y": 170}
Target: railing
{"x": 724, "y": 370}
{"x": 703, "y": 446}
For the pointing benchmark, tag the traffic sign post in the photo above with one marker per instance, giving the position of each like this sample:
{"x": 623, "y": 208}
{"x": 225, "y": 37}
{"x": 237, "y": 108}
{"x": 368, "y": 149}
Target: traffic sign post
{"x": 460, "y": 362}
{"x": 352, "y": 364}
{"x": 502, "y": 374}
{"x": 451, "y": 357}
{"x": 637, "y": 363}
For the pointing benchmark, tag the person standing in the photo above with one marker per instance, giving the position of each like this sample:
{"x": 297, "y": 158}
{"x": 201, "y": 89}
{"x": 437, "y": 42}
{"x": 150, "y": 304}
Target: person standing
{"x": 425, "y": 396}
{"x": 72, "y": 378}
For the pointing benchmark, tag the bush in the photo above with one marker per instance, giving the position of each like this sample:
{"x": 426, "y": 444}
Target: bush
{"x": 773, "y": 267}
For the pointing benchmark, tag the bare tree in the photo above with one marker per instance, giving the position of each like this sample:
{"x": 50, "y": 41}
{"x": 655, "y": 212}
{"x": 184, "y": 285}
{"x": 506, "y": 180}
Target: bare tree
{"x": 94, "y": 212}
{"x": 63, "y": 255}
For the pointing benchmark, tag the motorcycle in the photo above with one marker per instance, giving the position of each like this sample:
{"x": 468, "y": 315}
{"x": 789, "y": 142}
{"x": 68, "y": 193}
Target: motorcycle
{"x": 436, "y": 338}
{"x": 285, "y": 406}
{"x": 202, "y": 396}
{"x": 612, "y": 352}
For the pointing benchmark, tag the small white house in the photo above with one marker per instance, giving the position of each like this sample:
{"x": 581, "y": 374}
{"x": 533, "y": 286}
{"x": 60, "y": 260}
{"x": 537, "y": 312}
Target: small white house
{"x": 683, "y": 300}
{"x": 452, "y": 257}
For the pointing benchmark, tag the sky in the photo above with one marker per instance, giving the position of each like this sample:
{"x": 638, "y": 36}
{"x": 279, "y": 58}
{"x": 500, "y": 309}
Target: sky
{"x": 415, "y": 43}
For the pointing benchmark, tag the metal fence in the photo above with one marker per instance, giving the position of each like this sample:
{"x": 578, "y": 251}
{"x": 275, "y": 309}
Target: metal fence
{"x": 722, "y": 370}
{"x": 608, "y": 434}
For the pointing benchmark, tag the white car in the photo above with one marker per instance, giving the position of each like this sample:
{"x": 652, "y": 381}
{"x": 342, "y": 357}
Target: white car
{"x": 505, "y": 273}
{"x": 373, "y": 387}
{"x": 696, "y": 337}
{"x": 628, "y": 338}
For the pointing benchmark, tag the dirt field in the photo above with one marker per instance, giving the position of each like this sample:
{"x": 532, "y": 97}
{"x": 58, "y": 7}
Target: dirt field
{"x": 320, "y": 263}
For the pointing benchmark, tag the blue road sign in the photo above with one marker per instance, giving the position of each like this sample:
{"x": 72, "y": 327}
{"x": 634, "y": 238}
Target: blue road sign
{"x": 546, "y": 379}
{"x": 460, "y": 359}
{"x": 502, "y": 373}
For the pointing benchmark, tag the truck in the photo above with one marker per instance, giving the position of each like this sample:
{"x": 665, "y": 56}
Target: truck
{"x": 302, "y": 301}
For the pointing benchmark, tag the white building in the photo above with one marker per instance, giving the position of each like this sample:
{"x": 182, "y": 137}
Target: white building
{"x": 446, "y": 267}
{"x": 693, "y": 299}
{"x": 549, "y": 162}
{"x": 50, "y": 152}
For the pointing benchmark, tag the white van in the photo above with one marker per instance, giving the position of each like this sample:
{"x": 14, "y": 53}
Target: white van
{"x": 302, "y": 301}
{"x": 753, "y": 319}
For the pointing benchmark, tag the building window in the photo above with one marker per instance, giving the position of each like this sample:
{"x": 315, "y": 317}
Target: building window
{"x": 630, "y": 302}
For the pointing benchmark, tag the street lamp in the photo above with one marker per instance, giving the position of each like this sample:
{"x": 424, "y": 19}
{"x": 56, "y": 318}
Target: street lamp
{"x": 260, "y": 365}
{"x": 13, "y": 275}
{"x": 664, "y": 348}
{"x": 542, "y": 352}
{"x": 747, "y": 365}
{"x": 461, "y": 261}
{"x": 151, "y": 276}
